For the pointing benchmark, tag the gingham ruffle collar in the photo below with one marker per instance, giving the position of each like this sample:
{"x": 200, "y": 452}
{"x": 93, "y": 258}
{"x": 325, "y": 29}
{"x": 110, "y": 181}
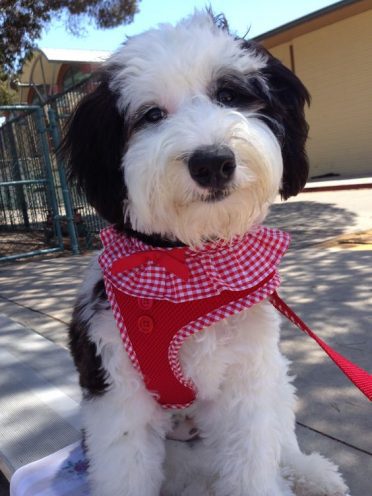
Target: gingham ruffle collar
{"x": 241, "y": 264}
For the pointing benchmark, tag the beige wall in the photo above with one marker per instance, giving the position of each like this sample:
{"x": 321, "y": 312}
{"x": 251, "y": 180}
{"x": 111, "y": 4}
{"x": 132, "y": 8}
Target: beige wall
{"x": 42, "y": 65}
{"x": 282, "y": 52}
{"x": 37, "y": 70}
{"x": 335, "y": 63}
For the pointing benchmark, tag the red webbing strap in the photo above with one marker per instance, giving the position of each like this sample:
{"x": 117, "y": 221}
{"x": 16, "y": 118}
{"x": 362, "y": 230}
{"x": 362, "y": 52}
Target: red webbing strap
{"x": 360, "y": 377}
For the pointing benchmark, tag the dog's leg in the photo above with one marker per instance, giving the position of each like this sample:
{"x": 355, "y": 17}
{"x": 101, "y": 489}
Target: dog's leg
{"x": 246, "y": 458}
{"x": 125, "y": 445}
{"x": 244, "y": 449}
{"x": 242, "y": 431}
{"x": 124, "y": 427}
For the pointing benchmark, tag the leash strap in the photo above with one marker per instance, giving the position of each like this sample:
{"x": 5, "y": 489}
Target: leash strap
{"x": 360, "y": 377}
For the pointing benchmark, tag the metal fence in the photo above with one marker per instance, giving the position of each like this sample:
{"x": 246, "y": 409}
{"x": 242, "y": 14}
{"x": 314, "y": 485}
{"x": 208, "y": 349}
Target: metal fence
{"x": 28, "y": 202}
{"x": 39, "y": 212}
{"x": 60, "y": 108}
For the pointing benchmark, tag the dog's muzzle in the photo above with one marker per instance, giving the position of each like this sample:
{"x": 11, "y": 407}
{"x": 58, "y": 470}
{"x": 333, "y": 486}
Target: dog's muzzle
{"x": 212, "y": 166}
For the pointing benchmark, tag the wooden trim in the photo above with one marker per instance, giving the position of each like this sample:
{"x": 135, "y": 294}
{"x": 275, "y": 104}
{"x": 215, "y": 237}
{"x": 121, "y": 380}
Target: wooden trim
{"x": 31, "y": 95}
{"x": 292, "y": 58}
{"x": 61, "y": 74}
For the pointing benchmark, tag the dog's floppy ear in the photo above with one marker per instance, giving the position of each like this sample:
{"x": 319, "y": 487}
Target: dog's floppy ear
{"x": 92, "y": 147}
{"x": 288, "y": 99}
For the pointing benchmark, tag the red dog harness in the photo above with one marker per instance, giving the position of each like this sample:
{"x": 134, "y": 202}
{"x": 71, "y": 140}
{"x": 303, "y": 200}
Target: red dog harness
{"x": 162, "y": 296}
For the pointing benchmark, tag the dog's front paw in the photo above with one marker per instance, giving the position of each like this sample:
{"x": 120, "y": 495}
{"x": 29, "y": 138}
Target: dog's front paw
{"x": 314, "y": 475}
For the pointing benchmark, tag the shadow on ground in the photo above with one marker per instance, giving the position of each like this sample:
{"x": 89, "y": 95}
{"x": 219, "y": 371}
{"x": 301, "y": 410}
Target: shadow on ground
{"x": 48, "y": 286}
{"x": 310, "y": 222}
{"x": 331, "y": 291}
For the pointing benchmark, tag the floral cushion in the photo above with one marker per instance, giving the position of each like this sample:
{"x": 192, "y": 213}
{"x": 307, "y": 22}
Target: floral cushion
{"x": 60, "y": 474}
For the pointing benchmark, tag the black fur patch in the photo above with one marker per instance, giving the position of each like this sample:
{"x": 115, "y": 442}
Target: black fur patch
{"x": 248, "y": 91}
{"x": 93, "y": 147}
{"x": 99, "y": 297}
{"x": 92, "y": 376}
{"x": 155, "y": 240}
{"x": 284, "y": 109}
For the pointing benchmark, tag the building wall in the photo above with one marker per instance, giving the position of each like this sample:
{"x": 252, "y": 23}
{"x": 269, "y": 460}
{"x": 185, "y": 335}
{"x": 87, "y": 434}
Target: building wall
{"x": 335, "y": 63}
{"x": 40, "y": 70}
{"x": 37, "y": 70}
{"x": 282, "y": 52}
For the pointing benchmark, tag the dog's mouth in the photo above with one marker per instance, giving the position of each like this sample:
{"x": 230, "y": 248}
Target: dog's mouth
{"x": 216, "y": 195}
{"x": 209, "y": 196}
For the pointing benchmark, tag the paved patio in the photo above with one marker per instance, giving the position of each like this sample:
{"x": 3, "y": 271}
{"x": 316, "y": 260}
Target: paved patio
{"x": 329, "y": 288}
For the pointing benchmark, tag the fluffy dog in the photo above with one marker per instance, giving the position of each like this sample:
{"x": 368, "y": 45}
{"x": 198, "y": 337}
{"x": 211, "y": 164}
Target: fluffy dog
{"x": 187, "y": 139}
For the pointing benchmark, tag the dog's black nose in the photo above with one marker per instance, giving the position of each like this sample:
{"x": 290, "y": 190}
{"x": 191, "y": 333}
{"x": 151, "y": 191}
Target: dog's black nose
{"x": 212, "y": 166}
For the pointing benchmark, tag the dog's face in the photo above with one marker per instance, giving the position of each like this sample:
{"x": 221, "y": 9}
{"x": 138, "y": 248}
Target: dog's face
{"x": 190, "y": 134}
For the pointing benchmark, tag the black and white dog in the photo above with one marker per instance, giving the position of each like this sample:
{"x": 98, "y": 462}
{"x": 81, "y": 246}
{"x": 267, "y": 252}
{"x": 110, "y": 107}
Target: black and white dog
{"x": 187, "y": 139}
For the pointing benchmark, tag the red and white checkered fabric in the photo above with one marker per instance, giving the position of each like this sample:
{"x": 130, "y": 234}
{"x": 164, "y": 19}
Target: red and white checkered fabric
{"x": 215, "y": 267}
{"x": 247, "y": 264}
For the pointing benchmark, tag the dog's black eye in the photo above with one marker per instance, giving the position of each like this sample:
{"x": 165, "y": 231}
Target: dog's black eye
{"x": 155, "y": 114}
{"x": 227, "y": 97}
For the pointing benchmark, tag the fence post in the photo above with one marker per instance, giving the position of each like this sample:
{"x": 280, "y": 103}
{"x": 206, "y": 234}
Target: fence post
{"x": 42, "y": 130}
{"x": 56, "y": 138}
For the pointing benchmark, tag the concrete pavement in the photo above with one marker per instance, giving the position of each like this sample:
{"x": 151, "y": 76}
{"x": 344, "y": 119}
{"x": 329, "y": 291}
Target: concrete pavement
{"x": 330, "y": 289}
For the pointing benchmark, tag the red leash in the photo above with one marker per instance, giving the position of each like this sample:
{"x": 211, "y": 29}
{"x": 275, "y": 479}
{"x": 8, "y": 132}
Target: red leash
{"x": 360, "y": 377}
